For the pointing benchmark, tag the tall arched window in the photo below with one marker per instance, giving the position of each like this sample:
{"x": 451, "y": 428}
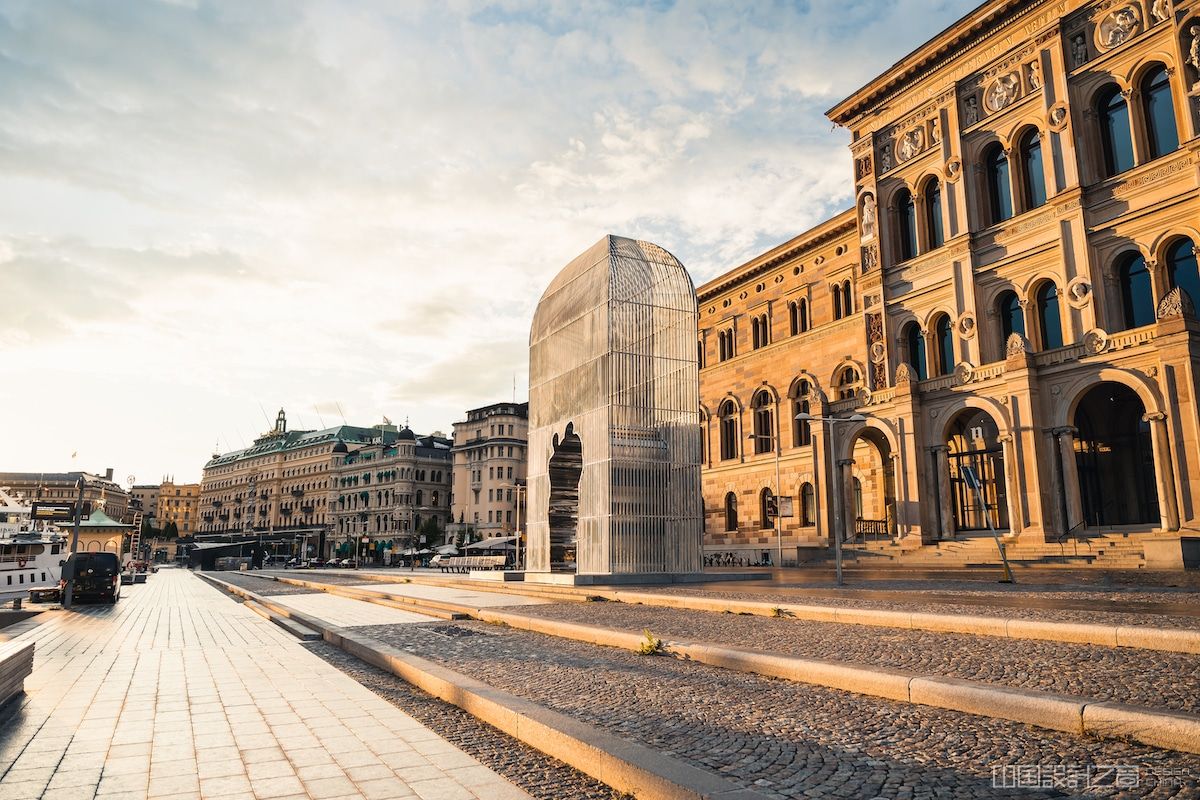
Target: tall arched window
{"x": 1159, "y": 109}
{"x": 1033, "y": 171}
{"x": 1116, "y": 141}
{"x": 801, "y": 429}
{"x": 808, "y": 505}
{"x": 906, "y": 224}
{"x": 802, "y": 311}
{"x": 758, "y": 331}
{"x": 1137, "y": 295}
{"x": 1181, "y": 269}
{"x": 944, "y": 338}
{"x": 765, "y": 500}
{"x": 794, "y": 318}
{"x": 837, "y": 301}
{"x": 999, "y": 187}
{"x": 728, "y": 430}
{"x": 847, "y": 383}
{"x": 731, "y": 520}
{"x": 933, "y": 214}
{"x": 1049, "y": 319}
{"x": 1012, "y": 316}
{"x": 847, "y": 299}
{"x": 914, "y": 345}
{"x": 764, "y": 428}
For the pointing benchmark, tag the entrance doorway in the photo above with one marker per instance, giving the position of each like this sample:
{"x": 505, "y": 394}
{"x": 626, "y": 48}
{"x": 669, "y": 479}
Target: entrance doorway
{"x": 974, "y": 442}
{"x": 566, "y": 467}
{"x": 874, "y": 487}
{"x": 1115, "y": 458}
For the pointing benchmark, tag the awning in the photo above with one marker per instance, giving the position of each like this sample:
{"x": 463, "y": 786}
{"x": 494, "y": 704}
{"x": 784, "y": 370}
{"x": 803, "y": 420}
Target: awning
{"x": 495, "y": 543}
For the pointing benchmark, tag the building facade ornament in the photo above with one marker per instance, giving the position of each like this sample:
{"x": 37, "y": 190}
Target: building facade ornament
{"x": 869, "y": 216}
{"x": 911, "y": 144}
{"x": 885, "y": 158}
{"x": 970, "y": 111}
{"x": 1079, "y": 50}
{"x": 1016, "y": 346}
{"x": 1002, "y": 92}
{"x": 1056, "y": 117}
{"x": 964, "y": 372}
{"x": 966, "y": 325}
{"x": 1095, "y": 341}
{"x": 1118, "y": 27}
{"x": 904, "y": 374}
{"x": 1079, "y": 292}
{"x": 1161, "y": 10}
{"x": 1176, "y": 303}
{"x": 1035, "y": 75}
{"x": 1193, "y": 53}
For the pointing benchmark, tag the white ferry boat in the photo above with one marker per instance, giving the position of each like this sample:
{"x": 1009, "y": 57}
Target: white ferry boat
{"x": 29, "y": 558}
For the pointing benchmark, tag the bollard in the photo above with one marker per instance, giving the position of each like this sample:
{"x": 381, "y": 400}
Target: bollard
{"x": 16, "y": 604}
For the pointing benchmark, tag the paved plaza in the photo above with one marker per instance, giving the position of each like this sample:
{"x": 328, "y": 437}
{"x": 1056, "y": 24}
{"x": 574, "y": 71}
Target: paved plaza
{"x": 179, "y": 692}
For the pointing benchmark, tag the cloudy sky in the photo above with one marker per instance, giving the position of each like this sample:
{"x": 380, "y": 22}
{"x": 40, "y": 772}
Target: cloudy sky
{"x": 211, "y": 207}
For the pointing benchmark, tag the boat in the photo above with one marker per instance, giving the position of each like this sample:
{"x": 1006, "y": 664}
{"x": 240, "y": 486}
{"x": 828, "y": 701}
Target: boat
{"x": 29, "y": 558}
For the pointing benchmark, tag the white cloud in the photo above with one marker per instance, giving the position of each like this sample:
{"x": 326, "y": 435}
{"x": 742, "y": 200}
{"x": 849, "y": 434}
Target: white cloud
{"x": 205, "y": 206}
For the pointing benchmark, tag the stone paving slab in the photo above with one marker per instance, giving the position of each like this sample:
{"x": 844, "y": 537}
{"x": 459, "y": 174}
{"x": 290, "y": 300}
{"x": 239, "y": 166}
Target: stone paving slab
{"x": 178, "y": 692}
{"x": 467, "y": 597}
{"x": 347, "y": 613}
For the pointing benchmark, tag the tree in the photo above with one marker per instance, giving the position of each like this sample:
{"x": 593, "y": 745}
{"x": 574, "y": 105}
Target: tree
{"x": 170, "y": 530}
{"x": 432, "y": 533}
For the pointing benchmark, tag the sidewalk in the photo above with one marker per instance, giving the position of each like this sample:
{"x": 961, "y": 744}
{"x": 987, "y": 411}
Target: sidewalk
{"x": 180, "y": 692}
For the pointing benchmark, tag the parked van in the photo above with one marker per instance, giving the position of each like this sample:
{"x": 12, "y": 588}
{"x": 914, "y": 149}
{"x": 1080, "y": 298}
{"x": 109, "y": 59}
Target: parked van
{"x": 93, "y": 576}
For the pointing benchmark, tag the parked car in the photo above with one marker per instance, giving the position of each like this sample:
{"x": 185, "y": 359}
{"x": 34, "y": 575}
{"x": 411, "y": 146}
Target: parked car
{"x": 93, "y": 576}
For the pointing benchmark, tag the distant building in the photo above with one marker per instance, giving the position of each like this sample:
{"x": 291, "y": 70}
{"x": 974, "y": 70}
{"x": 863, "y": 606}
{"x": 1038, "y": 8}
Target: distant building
{"x": 489, "y": 463}
{"x": 61, "y": 487}
{"x": 144, "y": 498}
{"x": 389, "y": 488}
{"x": 178, "y": 503}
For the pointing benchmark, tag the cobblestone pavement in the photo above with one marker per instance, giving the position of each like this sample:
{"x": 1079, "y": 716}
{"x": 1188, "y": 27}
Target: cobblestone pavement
{"x": 918, "y": 604}
{"x": 541, "y": 776}
{"x": 177, "y": 692}
{"x": 1109, "y": 673}
{"x": 787, "y": 740}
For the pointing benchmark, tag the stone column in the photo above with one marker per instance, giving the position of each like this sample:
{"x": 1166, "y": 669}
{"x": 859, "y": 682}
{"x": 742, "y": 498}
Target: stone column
{"x": 941, "y": 466}
{"x": 1168, "y": 506}
{"x": 845, "y": 510}
{"x": 897, "y": 526}
{"x": 1069, "y": 477}
{"x": 1012, "y": 485}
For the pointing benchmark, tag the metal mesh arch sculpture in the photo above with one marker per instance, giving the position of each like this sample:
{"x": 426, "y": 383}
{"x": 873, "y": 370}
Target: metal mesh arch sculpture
{"x": 614, "y": 439}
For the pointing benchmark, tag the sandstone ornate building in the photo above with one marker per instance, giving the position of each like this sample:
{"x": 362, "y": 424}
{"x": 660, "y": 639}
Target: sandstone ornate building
{"x": 489, "y": 469}
{"x": 1012, "y": 292}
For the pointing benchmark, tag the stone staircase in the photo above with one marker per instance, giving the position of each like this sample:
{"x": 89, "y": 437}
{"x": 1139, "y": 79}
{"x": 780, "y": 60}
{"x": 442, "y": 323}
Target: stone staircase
{"x": 1110, "y": 550}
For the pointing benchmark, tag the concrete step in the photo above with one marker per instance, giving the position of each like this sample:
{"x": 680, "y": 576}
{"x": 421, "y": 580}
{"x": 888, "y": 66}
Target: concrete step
{"x": 301, "y": 632}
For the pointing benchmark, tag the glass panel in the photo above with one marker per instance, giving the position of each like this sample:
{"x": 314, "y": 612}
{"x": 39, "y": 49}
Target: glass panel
{"x": 1114, "y": 130}
{"x": 1048, "y": 314}
{"x": 1136, "y": 293}
{"x": 1011, "y": 319}
{"x": 1181, "y": 266}
{"x": 1035, "y": 175}
{"x": 945, "y": 343}
{"x": 908, "y": 226}
{"x": 933, "y": 207}
{"x": 1160, "y": 114}
{"x": 999, "y": 186}
{"x": 916, "y": 351}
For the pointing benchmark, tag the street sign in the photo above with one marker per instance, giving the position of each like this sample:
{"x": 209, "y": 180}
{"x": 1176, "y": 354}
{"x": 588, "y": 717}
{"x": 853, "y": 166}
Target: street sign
{"x": 785, "y": 507}
{"x": 970, "y": 478}
{"x": 772, "y": 506}
{"x": 53, "y": 512}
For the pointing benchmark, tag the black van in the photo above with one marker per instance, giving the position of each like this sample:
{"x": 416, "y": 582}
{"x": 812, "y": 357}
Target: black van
{"x": 93, "y": 576}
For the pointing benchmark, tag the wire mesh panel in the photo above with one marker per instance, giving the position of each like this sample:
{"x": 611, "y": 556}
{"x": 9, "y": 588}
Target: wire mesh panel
{"x": 613, "y": 385}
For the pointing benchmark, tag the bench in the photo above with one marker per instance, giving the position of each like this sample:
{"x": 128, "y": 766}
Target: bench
{"x": 16, "y": 664}
{"x": 467, "y": 563}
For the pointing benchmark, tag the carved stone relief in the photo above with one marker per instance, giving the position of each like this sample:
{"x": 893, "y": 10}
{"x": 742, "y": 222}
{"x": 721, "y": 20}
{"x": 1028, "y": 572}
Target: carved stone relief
{"x": 1016, "y": 346}
{"x": 970, "y": 111}
{"x": 1056, "y": 117}
{"x": 964, "y": 372}
{"x": 935, "y": 131}
{"x": 1118, "y": 27}
{"x": 1079, "y": 292}
{"x": 1176, "y": 303}
{"x": 966, "y": 325}
{"x": 953, "y": 170}
{"x": 862, "y": 167}
{"x": 1160, "y": 11}
{"x": 868, "y": 216}
{"x": 885, "y": 158}
{"x": 870, "y": 258}
{"x": 911, "y": 144}
{"x": 903, "y": 374}
{"x": 1034, "y": 74}
{"x": 1095, "y": 341}
{"x": 1079, "y": 50}
{"x": 1193, "y": 54}
{"x": 1002, "y": 92}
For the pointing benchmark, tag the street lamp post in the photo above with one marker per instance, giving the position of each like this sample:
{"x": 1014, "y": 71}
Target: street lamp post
{"x": 773, "y": 438}
{"x": 521, "y": 491}
{"x": 67, "y": 591}
{"x": 838, "y": 500}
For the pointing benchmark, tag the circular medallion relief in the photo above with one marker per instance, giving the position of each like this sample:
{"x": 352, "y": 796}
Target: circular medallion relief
{"x": 878, "y": 352}
{"x": 912, "y": 142}
{"x": 1118, "y": 27}
{"x": 1002, "y": 92}
{"x": 953, "y": 169}
{"x": 1056, "y": 117}
{"x": 1079, "y": 292}
{"x": 966, "y": 325}
{"x": 1095, "y": 341}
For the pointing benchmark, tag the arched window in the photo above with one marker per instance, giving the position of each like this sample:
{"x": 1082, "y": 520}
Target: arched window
{"x": 766, "y": 501}
{"x": 847, "y": 299}
{"x": 1181, "y": 269}
{"x": 420, "y": 497}
{"x": 1159, "y": 110}
{"x": 801, "y": 429}
{"x": 755, "y": 333}
{"x": 914, "y": 345}
{"x": 725, "y": 345}
{"x": 700, "y": 354}
{"x": 1137, "y": 295}
{"x": 793, "y": 318}
{"x": 808, "y": 505}
{"x": 805, "y": 322}
{"x": 731, "y": 520}
{"x": 999, "y": 187}
{"x": 906, "y": 224}
{"x": 728, "y": 430}
{"x": 837, "y": 301}
{"x": 1115, "y": 138}
{"x": 944, "y": 339}
{"x": 933, "y": 214}
{"x": 1012, "y": 316}
{"x": 1033, "y": 171}
{"x": 1049, "y": 320}
{"x": 847, "y": 383}
{"x": 764, "y": 427}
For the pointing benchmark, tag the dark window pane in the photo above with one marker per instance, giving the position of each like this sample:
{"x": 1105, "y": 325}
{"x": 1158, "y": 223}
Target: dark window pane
{"x": 1035, "y": 175}
{"x": 916, "y": 351}
{"x": 907, "y": 212}
{"x": 1114, "y": 131}
{"x": 1160, "y": 114}
{"x": 999, "y": 186}
{"x": 1181, "y": 268}
{"x": 933, "y": 208}
{"x": 945, "y": 344}
{"x": 1136, "y": 293}
{"x": 1011, "y": 319}
{"x": 1048, "y": 316}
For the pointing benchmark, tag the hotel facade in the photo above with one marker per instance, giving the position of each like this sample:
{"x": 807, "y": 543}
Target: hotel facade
{"x": 1001, "y": 333}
